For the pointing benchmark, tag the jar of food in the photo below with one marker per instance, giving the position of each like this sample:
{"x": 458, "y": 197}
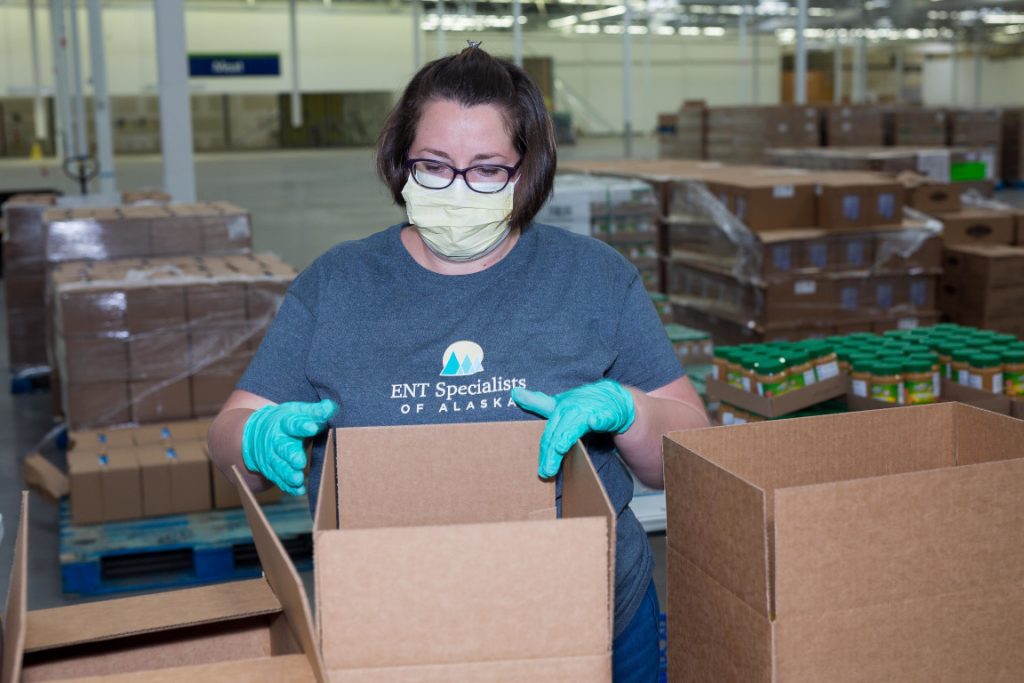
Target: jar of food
{"x": 862, "y": 366}
{"x": 843, "y": 359}
{"x": 945, "y": 350}
{"x": 748, "y": 365}
{"x": 933, "y": 360}
{"x": 918, "y": 381}
{"x": 986, "y": 372}
{"x": 1002, "y": 339}
{"x": 800, "y": 369}
{"x": 962, "y": 365}
{"x": 824, "y": 358}
{"x": 1013, "y": 372}
{"x": 772, "y": 379}
{"x": 720, "y": 363}
{"x": 887, "y": 382}
{"x": 734, "y": 371}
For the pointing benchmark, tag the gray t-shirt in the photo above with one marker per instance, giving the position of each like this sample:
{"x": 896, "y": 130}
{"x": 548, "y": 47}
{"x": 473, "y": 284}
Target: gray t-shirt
{"x": 371, "y": 329}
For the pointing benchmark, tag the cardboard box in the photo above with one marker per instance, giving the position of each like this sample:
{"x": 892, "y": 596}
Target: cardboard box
{"x": 418, "y": 514}
{"x": 96, "y": 405}
{"x": 977, "y": 226}
{"x": 772, "y": 201}
{"x": 97, "y": 441}
{"x": 225, "y": 493}
{"x": 160, "y": 400}
{"x": 813, "y": 550}
{"x": 780, "y": 405}
{"x": 175, "y": 479}
{"x": 258, "y": 630}
{"x": 850, "y": 200}
{"x": 105, "y": 487}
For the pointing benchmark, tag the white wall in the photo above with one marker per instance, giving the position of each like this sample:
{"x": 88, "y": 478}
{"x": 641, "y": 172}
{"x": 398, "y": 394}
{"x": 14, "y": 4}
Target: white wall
{"x": 342, "y": 50}
{"x": 1001, "y": 82}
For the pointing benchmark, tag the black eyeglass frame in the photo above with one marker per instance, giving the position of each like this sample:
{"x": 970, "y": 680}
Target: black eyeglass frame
{"x": 456, "y": 172}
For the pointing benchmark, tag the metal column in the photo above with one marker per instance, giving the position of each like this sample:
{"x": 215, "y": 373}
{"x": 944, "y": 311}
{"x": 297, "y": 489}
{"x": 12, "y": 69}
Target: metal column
{"x": 837, "y": 72}
{"x": 743, "y": 56}
{"x": 101, "y": 100}
{"x": 800, "y": 91}
{"x": 63, "y": 146}
{"x": 442, "y": 46}
{"x": 755, "y": 60}
{"x": 417, "y": 35}
{"x": 954, "y": 72}
{"x": 175, "y": 112}
{"x": 860, "y": 80}
{"x": 900, "y": 55}
{"x": 978, "y": 53}
{"x": 38, "y": 108}
{"x": 627, "y": 81}
{"x": 293, "y": 47}
{"x": 81, "y": 138}
{"x": 517, "y": 34}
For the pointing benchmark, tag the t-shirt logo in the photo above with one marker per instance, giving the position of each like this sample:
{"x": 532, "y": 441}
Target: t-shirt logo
{"x": 462, "y": 358}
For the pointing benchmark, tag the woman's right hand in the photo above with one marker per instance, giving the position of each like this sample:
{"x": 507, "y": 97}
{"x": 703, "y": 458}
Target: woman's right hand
{"x": 272, "y": 441}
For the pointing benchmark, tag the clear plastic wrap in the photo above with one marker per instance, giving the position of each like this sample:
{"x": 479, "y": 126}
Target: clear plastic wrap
{"x": 145, "y": 340}
{"x": 801, "y": 280}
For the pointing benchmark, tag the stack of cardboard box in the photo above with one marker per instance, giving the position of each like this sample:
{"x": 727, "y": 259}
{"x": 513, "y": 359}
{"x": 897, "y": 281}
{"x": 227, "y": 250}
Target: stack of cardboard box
{"x": 916, "y": 126}
{"x": 682, "y": 134}
{"x": 142, "y": 340}
{"x": 785, "y": 255}
{"x": 852, "y": 126}
{"x": 25, "y": 281}
{"x": 742, "y": 134}
{"x": 622, "y": 212}
{"x": 983, "y": 286}
{"x": 975, "y": 127}
{"x": 134, "y": 472}
{"x": 1013, "y": 146}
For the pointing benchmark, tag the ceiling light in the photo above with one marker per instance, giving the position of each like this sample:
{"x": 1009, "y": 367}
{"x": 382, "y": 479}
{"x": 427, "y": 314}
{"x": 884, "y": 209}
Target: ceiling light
{"x": 603, "y": 13}
{"x": 714, "y": 31}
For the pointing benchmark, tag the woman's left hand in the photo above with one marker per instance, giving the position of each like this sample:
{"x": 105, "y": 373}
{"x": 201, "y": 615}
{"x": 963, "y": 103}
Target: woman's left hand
{"x": 604, "y": 406}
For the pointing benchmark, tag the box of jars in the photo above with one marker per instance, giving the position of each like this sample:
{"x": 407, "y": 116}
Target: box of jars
{"x": 775, "y": 379}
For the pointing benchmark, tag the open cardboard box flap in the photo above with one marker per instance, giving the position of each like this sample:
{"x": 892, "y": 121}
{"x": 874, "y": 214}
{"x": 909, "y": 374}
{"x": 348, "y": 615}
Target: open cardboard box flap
{"x": 439, "y": 557}
{"x": 237, "y": 625}
{"x": 817, "y": 535}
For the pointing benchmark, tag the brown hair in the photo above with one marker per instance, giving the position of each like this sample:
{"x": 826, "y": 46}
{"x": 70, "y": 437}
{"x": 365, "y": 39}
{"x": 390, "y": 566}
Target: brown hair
{"x": 470, "y": 78}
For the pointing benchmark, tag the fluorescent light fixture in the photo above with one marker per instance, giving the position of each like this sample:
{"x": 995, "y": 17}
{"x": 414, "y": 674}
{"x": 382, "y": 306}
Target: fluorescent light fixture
{"x": 1002, "y": 18}
{"x": 665, "y": 31}
{"x": 637, "y": 30}
{"x": 603, "y": 13}
{"x": 714, "y": 31}
{"x": 612, "y": 29}
{"x": 689, "y": 31}
{"x": 587, "y": 28}
{"x": 563, "y": 22}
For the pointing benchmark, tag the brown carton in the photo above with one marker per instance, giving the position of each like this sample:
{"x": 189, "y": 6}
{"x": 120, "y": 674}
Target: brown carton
{"x": 160, "y": 400}
{"x": 977, "y": 226}
{"x": 258, "y": 630}
{"x": 879, "y": 545}
{"x": 225, "y": 493}
{"x": 96, "y": 405}
{"x": 852, "y": 200}
{"x": 397, "y": 536}
{"x": 105, "y": 487}
{"x": 773, "y": 201}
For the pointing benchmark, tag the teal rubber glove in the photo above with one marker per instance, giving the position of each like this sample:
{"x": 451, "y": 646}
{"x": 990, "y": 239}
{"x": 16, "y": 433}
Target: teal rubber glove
{"x": 272, "y": 441}
{"x": 604, "y": 406}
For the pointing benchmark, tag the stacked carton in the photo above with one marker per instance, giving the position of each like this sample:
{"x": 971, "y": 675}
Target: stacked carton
{"x": 622, "y": 212}
{"x": 760, "y": 255}
{"x": 852, "y": 126}
{"x": 25, "y": 280}
{"x": 975, "y": 127}
{"x": 742, "y": 134}
{"x": 1013, "y": 146}
{"x": 143, "y": 340}
{"x": 916, "y": 126}
{"x": 983, "y": 286}
{"x": 134, "y": 472}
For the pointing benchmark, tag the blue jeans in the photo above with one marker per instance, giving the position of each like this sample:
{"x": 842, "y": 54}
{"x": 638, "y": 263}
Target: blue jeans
{"x": 635, "y": 656}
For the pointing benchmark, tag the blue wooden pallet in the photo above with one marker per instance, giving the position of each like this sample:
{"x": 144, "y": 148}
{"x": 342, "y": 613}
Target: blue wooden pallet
{"x": 175, "y": 550}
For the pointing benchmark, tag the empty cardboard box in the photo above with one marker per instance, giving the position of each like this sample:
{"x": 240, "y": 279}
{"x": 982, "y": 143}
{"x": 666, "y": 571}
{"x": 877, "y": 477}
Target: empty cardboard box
{"x": 873, "y": 546}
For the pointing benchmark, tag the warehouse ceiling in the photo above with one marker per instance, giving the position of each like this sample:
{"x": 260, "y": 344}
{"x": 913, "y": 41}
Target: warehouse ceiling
{"x": 989, "y": 21}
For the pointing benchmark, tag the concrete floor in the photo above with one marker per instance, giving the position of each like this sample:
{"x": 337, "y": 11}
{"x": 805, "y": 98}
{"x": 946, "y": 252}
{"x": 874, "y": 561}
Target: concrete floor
{"x": 302, "y": 203}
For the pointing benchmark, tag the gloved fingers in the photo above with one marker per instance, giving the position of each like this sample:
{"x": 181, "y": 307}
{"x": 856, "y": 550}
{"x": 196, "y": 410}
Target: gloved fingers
{"x": 284, "y": 475}
{"x": 300, "y": 425}
{"x": 534, "y": 401}
{"x": 290, "y": 450}
{"x": 573, "y": 427}
{"x": 319, "y": 412}
{"x": 550, "y": 458}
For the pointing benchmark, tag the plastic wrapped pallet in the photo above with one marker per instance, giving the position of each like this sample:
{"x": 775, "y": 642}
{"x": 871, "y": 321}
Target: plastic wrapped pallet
{"x": 145, "y": 340}
{"x": 25, "y": 281}
{"x": 743, "y": 285}
{"x": 620, "y": 211}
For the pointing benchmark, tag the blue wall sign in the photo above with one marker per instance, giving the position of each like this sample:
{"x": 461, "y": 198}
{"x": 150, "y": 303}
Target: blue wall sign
{"x": 233, "y": 65}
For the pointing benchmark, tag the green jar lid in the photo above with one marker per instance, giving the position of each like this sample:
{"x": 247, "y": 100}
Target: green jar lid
{"x": 770, "y": 366}
{"x": 915, "y": 349}
{"x": 843, "y": 353}
{"x": 997, "y": 349}
{"x": 885, "y": 368}
{"x": 1014, "y": 356}
{"x": 863, "y": 363}
{"x": 723, "y": 352}
{"x": 983, "y": 359}
{"x": 1004, "y": 338}
{"x": 837, "y": 339}
{"x": 985, "y": 334}
{"x": 897, "y": 334}
{"x": 819, "y": 348}
{"x": 947, "y": 347}
{"x": 946, "y": 326}
{"x": 917, "y": 365}
{"x": 1015, "y": 346}
{"x": 963, "y": 353}
{"x": 796, "y": 357}
{"x": 931, "y": 358}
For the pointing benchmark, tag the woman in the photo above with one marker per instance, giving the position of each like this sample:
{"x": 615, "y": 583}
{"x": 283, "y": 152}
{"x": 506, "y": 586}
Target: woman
{"x": 564, "y": 321}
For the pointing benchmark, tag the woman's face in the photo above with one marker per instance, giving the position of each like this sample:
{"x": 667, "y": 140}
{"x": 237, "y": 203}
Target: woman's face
{"x": 463, "y": 136}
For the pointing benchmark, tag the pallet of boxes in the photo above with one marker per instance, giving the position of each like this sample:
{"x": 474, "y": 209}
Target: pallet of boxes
{"x": 153, "y": 314}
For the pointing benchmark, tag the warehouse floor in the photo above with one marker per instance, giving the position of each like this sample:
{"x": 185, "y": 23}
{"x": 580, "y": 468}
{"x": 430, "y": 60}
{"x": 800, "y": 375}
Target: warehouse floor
{"x": 302, "y": 203}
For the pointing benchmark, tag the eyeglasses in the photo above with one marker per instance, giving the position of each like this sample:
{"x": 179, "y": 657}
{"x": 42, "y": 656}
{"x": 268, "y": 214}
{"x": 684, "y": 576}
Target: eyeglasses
{"x": 437, "y": 175}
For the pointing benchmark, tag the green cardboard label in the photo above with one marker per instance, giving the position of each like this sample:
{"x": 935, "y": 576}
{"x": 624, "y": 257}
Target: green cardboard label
{"x": 967, "y": 171}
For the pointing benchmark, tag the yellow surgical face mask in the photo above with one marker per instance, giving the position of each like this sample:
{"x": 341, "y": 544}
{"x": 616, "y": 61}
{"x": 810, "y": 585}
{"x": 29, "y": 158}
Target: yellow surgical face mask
{"x": 457, "y": 223}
